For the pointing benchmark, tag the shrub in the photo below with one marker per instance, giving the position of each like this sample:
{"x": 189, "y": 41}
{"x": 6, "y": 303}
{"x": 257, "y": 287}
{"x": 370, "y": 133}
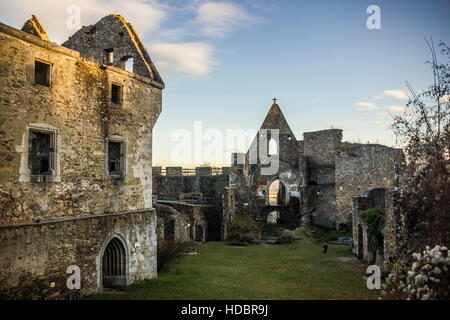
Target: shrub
{"x": 286, "y": 236}
{"x": 424, "y": 180}
{"x": 169, "y": 252}
{"x": 244, "y": 229}
{"x": 428, "y": 277}
{"x": 374, "y": 218}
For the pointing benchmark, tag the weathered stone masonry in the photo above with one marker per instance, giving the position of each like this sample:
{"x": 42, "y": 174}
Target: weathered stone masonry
{"x": 319, "y": 175}
{"x": 68, "y": 214}
{"x": 198, "y": 197}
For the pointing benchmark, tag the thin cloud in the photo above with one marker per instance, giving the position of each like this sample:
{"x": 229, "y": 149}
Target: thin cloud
{"x": 217, "y": 19}
{"x": 397, "y": 94}
{"x": 395, "y": 109}
{"x": 366, "y": 106}
{"x": 192, "y": 58}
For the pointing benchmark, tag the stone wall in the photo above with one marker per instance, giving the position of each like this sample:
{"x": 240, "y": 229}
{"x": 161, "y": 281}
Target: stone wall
{"x": 319, "y": 196}
{"x": 77, "y": 108}
{"x": 360, "y": 167}
{"x": 372, "y": 198}
{"x": 171, "y": 187}
{"x": 34, "y": 257}
{"x": 196, "y": 215}
{"x": 114, "y": 33}
{"x": 69, "y": 214}
{"x": 392, "y": 228}
{"x": 229, "y": 210}
{"x": 172, "y": 224}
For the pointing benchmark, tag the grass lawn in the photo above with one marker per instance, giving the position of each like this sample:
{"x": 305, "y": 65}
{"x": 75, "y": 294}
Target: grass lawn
{"x": 281, "y": 272}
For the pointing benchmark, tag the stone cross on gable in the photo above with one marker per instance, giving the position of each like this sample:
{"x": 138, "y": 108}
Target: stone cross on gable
{"x": 274, "y": 100}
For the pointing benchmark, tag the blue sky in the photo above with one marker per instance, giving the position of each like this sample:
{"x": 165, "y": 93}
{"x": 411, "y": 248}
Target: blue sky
{"x": 223, "y": 61}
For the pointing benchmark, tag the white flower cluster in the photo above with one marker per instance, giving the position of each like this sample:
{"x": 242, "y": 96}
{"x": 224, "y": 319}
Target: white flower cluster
{"x": 423, "y": 280}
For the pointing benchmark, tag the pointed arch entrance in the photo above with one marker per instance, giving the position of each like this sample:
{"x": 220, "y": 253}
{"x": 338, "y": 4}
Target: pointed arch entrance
{"x": 114, "y": 264}
{"x": 277, "y": 195}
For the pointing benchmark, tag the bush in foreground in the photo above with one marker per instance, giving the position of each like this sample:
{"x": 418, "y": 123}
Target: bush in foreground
{"x": 427, "y": 279}
{"x": 169, "y": 252}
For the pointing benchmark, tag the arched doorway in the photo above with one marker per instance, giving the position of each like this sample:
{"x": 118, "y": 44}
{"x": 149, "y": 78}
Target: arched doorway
{"x": 114, "y": 273}
{"x": 277, "y": 193}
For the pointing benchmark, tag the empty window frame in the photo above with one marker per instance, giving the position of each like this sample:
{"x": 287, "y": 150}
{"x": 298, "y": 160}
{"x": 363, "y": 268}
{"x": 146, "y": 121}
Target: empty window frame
{"x": 42, "y": 73}
{"x": 273, "y": 147}
{"x": 129, "y": 64}
{"x": 126, "y": 63}
{"x": 109, "y": 56}
{"x": 41, "y": 152}
{"x": 116, "y": 93}
{"x": 116, "y": 158}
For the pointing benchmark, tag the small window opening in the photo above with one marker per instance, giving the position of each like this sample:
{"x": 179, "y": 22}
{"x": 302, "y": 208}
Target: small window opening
{"x": 41, "y": 153}
{"x": 42, "y": 73}
{"x": 109, "y": 55}
{"x": 129, "y": 64}
{"x": 116, "y": 93}
{"x": 273, "y": 147}
{"x": 116, "y": 158}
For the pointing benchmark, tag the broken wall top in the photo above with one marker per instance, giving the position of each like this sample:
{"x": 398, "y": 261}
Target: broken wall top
{"x": 276, "y": 120}
{"x": 34, "y": 27}
{"x": 113, "y": 33}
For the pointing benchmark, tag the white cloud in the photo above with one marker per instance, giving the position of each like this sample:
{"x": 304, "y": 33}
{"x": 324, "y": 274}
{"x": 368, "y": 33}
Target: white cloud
{"x": 397, "y": 94}
{"x": 193, "y": 58}
{"x": 145, "y": 16}
{"x": 366, "y": 106}
{"x": 219, "y": 18}
{"x": 395, "y": 109}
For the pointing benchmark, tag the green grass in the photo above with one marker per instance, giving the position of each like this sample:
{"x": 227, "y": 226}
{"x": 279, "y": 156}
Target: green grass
{"x": 291, "y": 271}
{"x": 321, "y": 234}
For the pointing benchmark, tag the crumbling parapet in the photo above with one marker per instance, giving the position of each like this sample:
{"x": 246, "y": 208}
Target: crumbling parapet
{"x": 34, "y": 27}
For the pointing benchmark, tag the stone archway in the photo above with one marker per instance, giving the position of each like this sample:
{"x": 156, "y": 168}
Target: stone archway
{"x": 114, "y": 264}
{"x": 277, "y": 193}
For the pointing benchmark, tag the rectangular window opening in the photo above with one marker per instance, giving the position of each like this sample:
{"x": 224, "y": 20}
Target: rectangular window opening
{"x": 116, "y": 93}
{"x": 41, "y": 153}
{"x": 129, "y": 64}
{"x": 109, "y": 55}
{"x": 116, "y": 158}
{"x": 42, "y": 73}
